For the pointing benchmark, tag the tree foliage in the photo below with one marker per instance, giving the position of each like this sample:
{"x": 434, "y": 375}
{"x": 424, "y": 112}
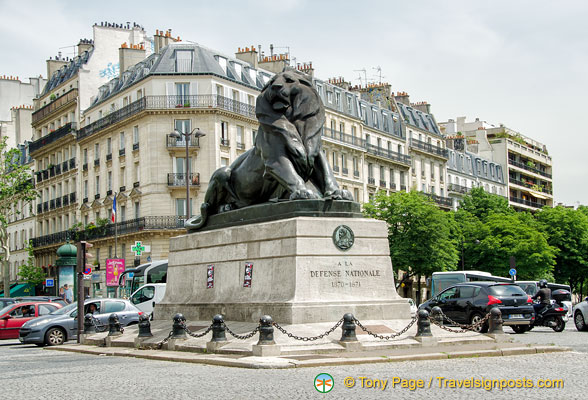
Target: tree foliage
{"x": 29, "y": 272}
{"x": 16, "y": 186}
{"x": 567, "y": 230}
{"x": 421, "y": 236}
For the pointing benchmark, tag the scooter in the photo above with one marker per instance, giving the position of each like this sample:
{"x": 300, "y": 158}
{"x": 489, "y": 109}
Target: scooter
{"x": 551, "y": 316}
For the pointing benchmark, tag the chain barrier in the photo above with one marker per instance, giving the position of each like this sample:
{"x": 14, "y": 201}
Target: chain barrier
{"x": 164, "y": 341}
{"x": 196, "y": 335}
{"x": 308, "y": 338}
{"x": 242, "y": 337}
{"x": 99, "y": 327}
{"x": 463, "y": 327}
{"x": 386, "y": 337}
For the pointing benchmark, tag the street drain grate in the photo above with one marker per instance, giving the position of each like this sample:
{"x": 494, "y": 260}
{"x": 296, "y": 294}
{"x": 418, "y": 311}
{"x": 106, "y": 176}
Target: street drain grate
{"x": 377, "y": 329}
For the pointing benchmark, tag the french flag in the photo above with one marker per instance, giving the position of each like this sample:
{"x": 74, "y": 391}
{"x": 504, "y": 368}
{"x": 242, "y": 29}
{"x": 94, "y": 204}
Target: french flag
{"x": 113, "y": 214}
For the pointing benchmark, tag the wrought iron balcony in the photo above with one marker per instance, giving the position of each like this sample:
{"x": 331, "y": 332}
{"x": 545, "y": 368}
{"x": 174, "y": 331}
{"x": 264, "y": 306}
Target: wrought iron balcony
{"x": 172, "y": 142}
{"x": 72, "y": 198}
{"x": 52, "y": 204}
{"x": 45, "y": 174}
{"x": 121, "y": 152}
{"x": 97, "y": 162}
{"x": 343, "y": 137}
{"x": 528, "y": 168}
{"x": 109, "y": 192}
{"x": 454, "y": 187}
{"x": 389, "y": 154}
{"x": 526, "y": 202}
{"x": 39, "y": 208}
{"x": 335, "y": 168}
{"x": 345, "y": 171}
{"x": 356, "y": 173}
{"x": 122, "y": 189}
{"x": 429, "y": 148}
{"x": 392, "y": 186}
{"x": 65, "y": 166}
{"x": 52, "y": 137}
{"x": 382, "y": 183}
{"x": 109, "y": 157}
{"x": 65, "y": 200}
{"x": 179, "y": 179}
{"x": 55, "y": 105}
{"x": 46, "y": 206}
{"x": 135, "y": 184}
{"x": 440, "y": 200}
{"x": 240, "y": 146}
{"x": 96, "y": 196}
{"x": 85, "y": 200}
{"x": 530, "y": 185}
{"x": 224, "y": 142}
{"x": 371, "y": 181}
{"x": 72, "y": 163}
{"x": 206, "y": 101}
{"x": 135, "y": 146}
{"x": 135, "y": 225}
{"x": 58, "y": 202}
{"x": 403, "y": 188}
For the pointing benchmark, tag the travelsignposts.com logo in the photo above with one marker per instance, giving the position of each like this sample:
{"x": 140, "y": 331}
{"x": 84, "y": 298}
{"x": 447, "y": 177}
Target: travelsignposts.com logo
{"x": 324, "y": 383}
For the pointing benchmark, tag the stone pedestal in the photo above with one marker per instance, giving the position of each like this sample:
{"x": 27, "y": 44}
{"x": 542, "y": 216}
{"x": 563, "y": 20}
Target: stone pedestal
{"x": 299, "y": 274}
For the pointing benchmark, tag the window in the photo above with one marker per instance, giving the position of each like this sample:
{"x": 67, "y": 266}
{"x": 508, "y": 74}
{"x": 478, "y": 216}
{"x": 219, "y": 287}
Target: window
{"x": 240, "y": 141}
{"x": 109, "y": 180}
{"x": 121, "y": 141}
{"x": 220, "y": 90}
{"x": 224, "y": 162}
{"x": 335, "y": 160}
{"x": 123, "y": 213}
{"x": 183, "y": 94}
{"x": 353, "y": 130}
{"x": 343, "y": 161}
{"x": 224, "y": 133}
{"x": 356, "y": 194}
{"x": 135, "y": 134}
{"x": 97, "y": 185}
{"x": 370, "y": 170}
{"x": 183, "y": 61}
{"x": 113, "y": 306}
{"x": 382, "y": 174}
{"x": 85, "y": 157}
{"x": 108, "y": 146}
{"x": 253, "y": 136}
{"x": 181, "y": 207}
{"x": 349, "y": 102}
{"x": 85, "y": 189}
{"x": 97, "y": 151}
{"x": 338, "y": 99}
{"x": 329, "y": 96}
{"x": 137, "y": 214}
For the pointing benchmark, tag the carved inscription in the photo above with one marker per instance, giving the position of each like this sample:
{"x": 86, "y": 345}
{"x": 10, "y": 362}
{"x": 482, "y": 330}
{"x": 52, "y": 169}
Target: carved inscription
{"x": 345, "y": 275}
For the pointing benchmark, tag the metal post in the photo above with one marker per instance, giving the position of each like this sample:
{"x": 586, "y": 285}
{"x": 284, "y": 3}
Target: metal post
{"x": 495, "y": 321}
{"x": 89, "y": 326}
{"x": 186, "y": 136}
{"x": 348, "y": 328}
{"x": 423, "y": 324}
{"x": 144, "y": 326}
{"x": 80, "y": 283}
{"x": 437, "y": 314}
{"x": 266, "y": 331}
{"x": 114, "y": 328}
{"x": 218, "y": 329}
{"x": 178, "y": 327}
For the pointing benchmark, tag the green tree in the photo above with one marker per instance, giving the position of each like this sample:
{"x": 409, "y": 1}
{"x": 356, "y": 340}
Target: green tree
{"x": 480, "y": 204}
{"x": 29, "y": 272}
{"x": 567, "y": 230}
{"x": 16, "y": 186}
{"x": 421, "y": 236}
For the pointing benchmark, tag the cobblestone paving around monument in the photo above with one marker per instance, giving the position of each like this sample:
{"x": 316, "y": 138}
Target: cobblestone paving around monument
{"x": 33, "y": 373}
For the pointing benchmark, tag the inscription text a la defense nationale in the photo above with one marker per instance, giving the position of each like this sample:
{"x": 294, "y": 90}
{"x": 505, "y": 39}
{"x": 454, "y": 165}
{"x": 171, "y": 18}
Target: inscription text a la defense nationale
{"x": 348, "y": 273}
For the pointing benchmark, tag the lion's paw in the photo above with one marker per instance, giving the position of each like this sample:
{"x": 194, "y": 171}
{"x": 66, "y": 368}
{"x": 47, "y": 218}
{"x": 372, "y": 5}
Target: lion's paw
{"x": 339, "y": 194}
{"x": 303, "y": 194}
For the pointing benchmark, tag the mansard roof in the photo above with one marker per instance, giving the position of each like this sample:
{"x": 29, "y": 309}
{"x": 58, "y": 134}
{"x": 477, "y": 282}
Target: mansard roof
{"x": 67, "y": 71}
{"x": 418, "y": 119}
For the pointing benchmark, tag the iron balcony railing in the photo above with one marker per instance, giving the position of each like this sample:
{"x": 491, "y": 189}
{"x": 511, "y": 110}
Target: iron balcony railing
{"x": 454, "y": 187}
{"x": 240, "y": 146}
{"x": 172, "y": 142}
{"x": 526, "y": 202}
{"x": 528, "y": 168}
{"x": 65, "y": 200}
{"x": 441, "y": 201}
{"x": 135, "y": 146}
{"x": 356, "y": 173}
{"x": 224, "y": 142}
{"x": 39, "y": 208}
{"x": 343, "y": 137}
{"x": 134, "y": 225}
{"x": 335, "y": 168}
{"x": 56, "y": 104}
{"x": 201, "y": 101}
{"x": 345, "y": 171}
{"x": 403, "y": 188}
{"x": 389, "y": 154}
{"x": 429, "y": 148}
{"x": 383, "y": 184}
{"x": 392, "y": 186}
{"x": 65, "y": 166}
{"x": 179, "y": 179}
{"x": 72, "y": 163}
{"x": 52, "y": 137}
{"x": 371, "y": 181}
{"x": 121, "y": 152}
{"x": 532, "y": 186}
{"x": 52, "y": 204}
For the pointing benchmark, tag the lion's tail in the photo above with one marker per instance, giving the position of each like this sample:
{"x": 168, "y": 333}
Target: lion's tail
{"x": 195, "y": 223}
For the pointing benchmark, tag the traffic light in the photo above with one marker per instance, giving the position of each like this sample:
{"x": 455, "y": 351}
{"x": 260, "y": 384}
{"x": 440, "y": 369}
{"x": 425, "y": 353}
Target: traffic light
{"x": 83, "y": 256}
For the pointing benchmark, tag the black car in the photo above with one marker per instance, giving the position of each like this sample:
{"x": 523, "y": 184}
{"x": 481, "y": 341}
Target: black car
{"x": 468, "y": 303}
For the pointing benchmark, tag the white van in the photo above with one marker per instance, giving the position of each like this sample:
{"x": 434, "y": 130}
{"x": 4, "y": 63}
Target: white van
{"x": 147, "y": 296}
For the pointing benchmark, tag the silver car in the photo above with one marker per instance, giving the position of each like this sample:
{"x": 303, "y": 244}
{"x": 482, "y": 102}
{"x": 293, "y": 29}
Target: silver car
{"x": 62, "y": 325}
{"x": 581, "y": 315}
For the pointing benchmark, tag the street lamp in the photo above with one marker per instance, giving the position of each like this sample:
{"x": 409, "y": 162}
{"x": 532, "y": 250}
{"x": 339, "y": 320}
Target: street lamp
{"x": 178, "y": 135}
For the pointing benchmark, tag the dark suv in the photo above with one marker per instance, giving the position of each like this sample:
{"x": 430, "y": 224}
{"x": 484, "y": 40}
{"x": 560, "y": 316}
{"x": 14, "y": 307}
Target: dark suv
{"x": 468, "y": 303}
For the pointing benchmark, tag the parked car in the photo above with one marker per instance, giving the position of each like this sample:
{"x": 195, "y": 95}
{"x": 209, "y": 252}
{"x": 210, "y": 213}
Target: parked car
{"x": 61, "y": 325}
{"x": 147, "y": 296}
{"x": 4, "y": 301}
{"x": 581, "y": 315}
{"x": 13, "y": 316}
{"x": 468, "y": 303}
{"x": 51, "y": 299}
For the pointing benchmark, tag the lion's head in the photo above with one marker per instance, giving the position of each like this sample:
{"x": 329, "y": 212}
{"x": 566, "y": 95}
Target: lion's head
{"x": 291, "y": 94}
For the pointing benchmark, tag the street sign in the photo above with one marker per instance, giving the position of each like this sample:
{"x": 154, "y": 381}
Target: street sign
{"x": 87, "y": 271}
{"x": 130, "y": 275}
{"x": 512, "y": 272}
{"x": 49, "y": 282}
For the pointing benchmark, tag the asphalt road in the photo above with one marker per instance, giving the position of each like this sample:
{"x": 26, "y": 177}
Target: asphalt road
{"x": 34, "y": 373}
{"x": 570, "y": 337}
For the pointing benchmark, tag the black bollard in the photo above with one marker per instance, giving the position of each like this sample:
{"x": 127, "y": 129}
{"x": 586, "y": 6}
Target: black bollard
{"x": 495, "y": 321}
{"x": 89, "y": 326}
{"x": 144, "y": 326}
{"x": 179, "y": 327}
{"x": 423, "y": 324}
{"x": 266, "y": 331}
{"x": 348, "y": 328}
{"x": 218, "y": 329}
{"x": 437, "y": 315}
{"x": 114, "y": 328}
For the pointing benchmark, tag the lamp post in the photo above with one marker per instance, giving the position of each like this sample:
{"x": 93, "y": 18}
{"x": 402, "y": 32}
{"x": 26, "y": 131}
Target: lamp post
{"x": 178, "y": 135}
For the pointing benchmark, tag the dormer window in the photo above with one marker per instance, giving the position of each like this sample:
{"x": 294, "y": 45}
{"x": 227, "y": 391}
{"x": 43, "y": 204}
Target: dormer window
{"x": 184, "y": 61}
{"x": 223, "y": 64}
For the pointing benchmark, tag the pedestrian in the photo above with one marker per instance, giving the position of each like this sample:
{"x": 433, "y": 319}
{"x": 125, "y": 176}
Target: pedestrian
{"x": 62, "y": 293}
{"x": 68, "y": 293}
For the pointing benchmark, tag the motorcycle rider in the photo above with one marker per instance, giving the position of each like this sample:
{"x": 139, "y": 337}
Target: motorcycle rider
{"x": 543, "y": 295}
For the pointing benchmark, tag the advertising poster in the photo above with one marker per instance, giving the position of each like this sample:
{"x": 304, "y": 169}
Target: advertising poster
{"x": 210, "y": 277}
{"x": 248, "y": 275}
{"x": 66, "y": 283}
{"x": 114, "y": 269}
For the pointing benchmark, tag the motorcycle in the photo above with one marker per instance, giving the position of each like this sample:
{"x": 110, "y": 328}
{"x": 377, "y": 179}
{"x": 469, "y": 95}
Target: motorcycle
{"x": 551, "y": 316}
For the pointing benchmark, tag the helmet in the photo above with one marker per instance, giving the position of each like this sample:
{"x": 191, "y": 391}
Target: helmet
{"x": 542, "y": 283}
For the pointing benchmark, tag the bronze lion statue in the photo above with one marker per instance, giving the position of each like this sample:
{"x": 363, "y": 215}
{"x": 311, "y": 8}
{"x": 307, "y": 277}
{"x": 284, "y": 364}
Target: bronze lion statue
{"x": 286, "y": 161}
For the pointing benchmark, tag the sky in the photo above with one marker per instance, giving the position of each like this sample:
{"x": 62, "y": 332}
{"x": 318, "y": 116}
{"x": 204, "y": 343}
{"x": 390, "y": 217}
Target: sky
{"x": 517, "y": 62}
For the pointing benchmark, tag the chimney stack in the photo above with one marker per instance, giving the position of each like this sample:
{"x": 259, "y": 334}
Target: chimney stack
{"x": 249, "y": 55}
{"x": 162, "y": 39}
{"x": 402, "y": 97}
{"x": 84, "y": 45}
{"x": 130, "y": 55}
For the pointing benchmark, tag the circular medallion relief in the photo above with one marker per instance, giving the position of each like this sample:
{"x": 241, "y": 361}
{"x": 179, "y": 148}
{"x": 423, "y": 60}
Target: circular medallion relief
{"x": 343, "y": 237}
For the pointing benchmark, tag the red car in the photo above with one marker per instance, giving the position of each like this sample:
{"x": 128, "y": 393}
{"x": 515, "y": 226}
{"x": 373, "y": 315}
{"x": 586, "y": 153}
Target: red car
{"x": 13, "y": 316}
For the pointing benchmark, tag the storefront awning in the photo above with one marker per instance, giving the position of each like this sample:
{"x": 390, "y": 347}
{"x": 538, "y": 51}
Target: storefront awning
{"x": 19, "y": 290}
